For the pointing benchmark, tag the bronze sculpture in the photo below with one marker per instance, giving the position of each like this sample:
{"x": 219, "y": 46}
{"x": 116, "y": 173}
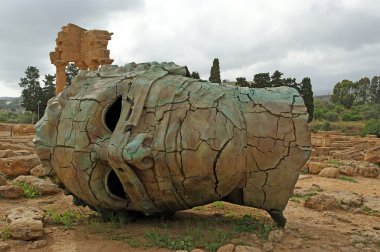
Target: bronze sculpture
{"x": 147, "y": 138}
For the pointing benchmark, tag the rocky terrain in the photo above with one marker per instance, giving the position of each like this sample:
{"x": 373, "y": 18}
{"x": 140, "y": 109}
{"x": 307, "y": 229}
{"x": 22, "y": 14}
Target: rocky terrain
{"x": 335, "y": 207}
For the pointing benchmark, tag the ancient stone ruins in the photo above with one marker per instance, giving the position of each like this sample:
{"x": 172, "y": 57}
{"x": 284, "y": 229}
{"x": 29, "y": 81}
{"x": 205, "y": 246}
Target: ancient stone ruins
{"x": 335, "y": 154}
{"x": 87, "y": 49}
{"x": 147, "y": 138}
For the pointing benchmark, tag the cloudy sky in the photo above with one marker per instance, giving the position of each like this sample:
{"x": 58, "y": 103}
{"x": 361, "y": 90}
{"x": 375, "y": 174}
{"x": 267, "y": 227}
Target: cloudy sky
{"x": 326, "y": 40}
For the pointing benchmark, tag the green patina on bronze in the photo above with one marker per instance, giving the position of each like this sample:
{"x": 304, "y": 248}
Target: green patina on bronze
{"x": 146, "y": 138}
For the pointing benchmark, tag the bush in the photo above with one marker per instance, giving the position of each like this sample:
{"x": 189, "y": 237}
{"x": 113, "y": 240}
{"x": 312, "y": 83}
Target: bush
{"x": 372, "y": 127}
{"x": 315, "y": 127}
{"x": 338, "y": 108}
{"x": 351, "y": 116}
{"x": 318, "y": 114}
{"x": 326, "y": 126}
{"x": 331, "y": 116}
{"x": 3, "y": 117}
{"x": 371, "y": 112}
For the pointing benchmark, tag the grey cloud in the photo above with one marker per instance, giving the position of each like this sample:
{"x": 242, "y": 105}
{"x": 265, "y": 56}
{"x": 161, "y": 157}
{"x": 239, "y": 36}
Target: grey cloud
{"x": 338, "y": 39}
{"x": 28, "y": 29}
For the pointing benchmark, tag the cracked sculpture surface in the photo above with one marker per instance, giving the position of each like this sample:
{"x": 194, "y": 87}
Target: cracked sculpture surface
{"x": 145, "y": 138}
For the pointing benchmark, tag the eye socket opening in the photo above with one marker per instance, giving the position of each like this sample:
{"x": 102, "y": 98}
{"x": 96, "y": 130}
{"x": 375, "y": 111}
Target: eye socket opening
{"x": 114, "y": 186}
{"x": 113, "y": 113}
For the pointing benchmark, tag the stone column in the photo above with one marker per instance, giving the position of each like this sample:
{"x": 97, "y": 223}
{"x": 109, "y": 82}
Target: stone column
{"x": 60, "y": 78}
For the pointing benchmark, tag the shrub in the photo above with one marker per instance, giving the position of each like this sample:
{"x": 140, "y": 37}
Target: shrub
{"x": 372, "y": 127}
{"x": 68, "y": 218}
{"x": 30, "y": 192}
{"x": 331, "y": 116}
{"x": 351, "y": 116}
{"x": 315, "y": 127}
{"x": 371, "y": 114}
{"x": 326, "y": 126}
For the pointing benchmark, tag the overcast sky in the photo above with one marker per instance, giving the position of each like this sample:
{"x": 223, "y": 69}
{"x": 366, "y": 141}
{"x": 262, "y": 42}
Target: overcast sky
{"x": 326, "y": 40}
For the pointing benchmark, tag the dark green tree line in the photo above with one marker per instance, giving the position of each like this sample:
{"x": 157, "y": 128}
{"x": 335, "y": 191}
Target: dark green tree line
{"x": 363, "y": 91}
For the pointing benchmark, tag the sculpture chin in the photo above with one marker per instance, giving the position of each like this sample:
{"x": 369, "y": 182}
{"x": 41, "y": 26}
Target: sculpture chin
{"x": 146, "y": 138}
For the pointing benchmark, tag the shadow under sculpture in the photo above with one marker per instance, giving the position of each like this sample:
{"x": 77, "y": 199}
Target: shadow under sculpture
{"x": 145, "y": 138}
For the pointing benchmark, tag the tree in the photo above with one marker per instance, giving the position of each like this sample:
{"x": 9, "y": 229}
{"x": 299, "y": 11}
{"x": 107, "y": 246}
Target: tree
{"x": 195, "y": 75}
{"x": 343, "y": 94}
{"x": 306, "y": 92}
{"x": 261, "y": 80}
{"x": 32, "y": 91}
{"x": 215, "y": 72}
{"x": 362, "y": 90}
{"x": 276, "y": 80}
{"x": 48, "y": 91}
{"x": 71, "y": 72}
{"x": 374, "y": 89}
{"x": 242, "y": 82}
{"x": 291, "y": 82}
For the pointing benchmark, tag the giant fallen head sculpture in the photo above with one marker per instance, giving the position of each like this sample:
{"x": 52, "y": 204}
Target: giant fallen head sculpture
{"x": 146, "y": 138}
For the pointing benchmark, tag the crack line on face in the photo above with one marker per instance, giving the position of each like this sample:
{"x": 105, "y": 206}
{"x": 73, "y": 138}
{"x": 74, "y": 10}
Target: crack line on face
{"x": 214, "y": 166}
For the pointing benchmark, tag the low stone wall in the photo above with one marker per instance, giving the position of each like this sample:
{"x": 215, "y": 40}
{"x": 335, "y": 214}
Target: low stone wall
{"x": 335, "y": 154}
{"x": 341, "y": 146}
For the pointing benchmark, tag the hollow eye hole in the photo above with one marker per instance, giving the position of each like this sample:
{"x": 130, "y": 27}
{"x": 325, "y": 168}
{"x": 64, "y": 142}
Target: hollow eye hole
{"x": 114, "y": 185}
{"x": 113, "y": 114}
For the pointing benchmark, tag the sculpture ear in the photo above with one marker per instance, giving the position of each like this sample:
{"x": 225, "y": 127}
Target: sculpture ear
{"x": 138, "y": 151}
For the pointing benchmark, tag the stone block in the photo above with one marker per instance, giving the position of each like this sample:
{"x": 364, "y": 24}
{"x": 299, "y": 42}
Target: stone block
{"x": 25, "y": 223}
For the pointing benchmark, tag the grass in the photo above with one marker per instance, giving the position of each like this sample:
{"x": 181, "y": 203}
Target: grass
{"x": 158, "y": 238}
{"x": 349, "y": 179}
{"x": 333, "y": 162}
{"x": 30, "y": 192}
{"x": 193, "y": 231}
{"x": 188, "y": 241}
{"x": 218, "y": 204}
{"x": 97, "y": 227}
{"x": 348, "y": 127}
{"x": 126, "y": 238}
{"x": 68, "y": 218}
{"x": 219, "y": 239}
{"x": 248, "y": 224}
{"x": 303, "y": 197}
{"x": 377, "y": 244}
{"x": 5, "y": 235}
{"x": 198, "y": 208}
{"x": 368, "y": 211}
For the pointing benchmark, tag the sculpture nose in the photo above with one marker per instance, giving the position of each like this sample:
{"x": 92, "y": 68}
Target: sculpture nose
{"x": 122, "y": 148}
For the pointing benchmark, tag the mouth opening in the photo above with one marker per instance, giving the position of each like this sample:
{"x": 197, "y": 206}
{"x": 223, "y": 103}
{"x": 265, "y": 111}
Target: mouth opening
{"x": 112, "y": 115}
{"x": 114, "y": 186}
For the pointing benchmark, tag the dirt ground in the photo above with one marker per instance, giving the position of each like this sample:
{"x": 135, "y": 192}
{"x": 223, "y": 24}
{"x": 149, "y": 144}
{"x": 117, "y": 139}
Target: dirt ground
{"x": 306, "y": 230}
{"x": 211, "y": 226}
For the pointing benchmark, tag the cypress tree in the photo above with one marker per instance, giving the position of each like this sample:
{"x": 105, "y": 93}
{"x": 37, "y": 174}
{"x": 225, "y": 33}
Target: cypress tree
{"x": 215, "y": 72}
{"x": 307, "y": 94}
